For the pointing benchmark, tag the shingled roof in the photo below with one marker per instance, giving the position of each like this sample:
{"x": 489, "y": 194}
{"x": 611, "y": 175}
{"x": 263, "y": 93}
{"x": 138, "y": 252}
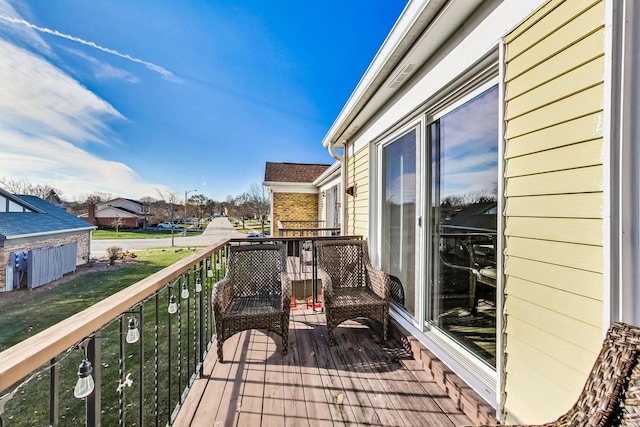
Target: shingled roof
{"x": 293, "y": 172}
{"x": 50, "y": 219}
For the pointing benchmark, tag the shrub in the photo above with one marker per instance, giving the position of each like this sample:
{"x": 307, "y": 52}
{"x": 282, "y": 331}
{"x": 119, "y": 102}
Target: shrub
{"x": 114, "y": 252}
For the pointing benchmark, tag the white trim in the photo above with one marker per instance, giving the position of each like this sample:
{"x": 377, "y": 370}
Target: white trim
{"x": 49, "y": 233}
{"x": 293, "y": 187}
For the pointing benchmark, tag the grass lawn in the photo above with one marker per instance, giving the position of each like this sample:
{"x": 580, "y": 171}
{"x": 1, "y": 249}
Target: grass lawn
{"x": 55, "y": 302}
{"x": 140, "y": 234}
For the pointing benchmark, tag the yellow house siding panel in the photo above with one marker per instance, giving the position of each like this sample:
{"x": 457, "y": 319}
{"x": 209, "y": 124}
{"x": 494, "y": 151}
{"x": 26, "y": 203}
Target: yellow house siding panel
{"x": 576, "y": 306}
{"x": 581, "y": 104}
{"x": 572, "y": 156}
{"x": 357, "y": 220}
{"x": 557, "y": 205}
{"x": 556, "y": 345}
{"x": 584, "y": 257}
{"x": 539, "y": 50}
{"x": 571, "y": 330}
{"x": 580, "y": 180}
{"x": 547, "y": 23}
{"x": 582, "y": 52}
{"x": 577, "y": 80}
{"x": 584, "y": 231}
{"x": 586, "y": 283}
{"x": 571, "y": 132}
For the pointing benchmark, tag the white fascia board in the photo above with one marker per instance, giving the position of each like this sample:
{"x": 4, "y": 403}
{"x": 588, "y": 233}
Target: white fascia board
{"x": 49, "y": 233}
{"x": 332, "y": 172}
{"x": 414, "y": 20}
{"x": 291, "y": 187}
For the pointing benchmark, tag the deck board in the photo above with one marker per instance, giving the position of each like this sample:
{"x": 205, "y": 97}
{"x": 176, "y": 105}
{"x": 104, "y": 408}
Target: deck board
{"x": 358, "y": 381}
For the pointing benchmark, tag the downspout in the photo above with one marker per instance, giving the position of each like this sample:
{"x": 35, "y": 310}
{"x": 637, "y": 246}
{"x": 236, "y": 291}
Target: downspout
{"x": 343, "y": 181}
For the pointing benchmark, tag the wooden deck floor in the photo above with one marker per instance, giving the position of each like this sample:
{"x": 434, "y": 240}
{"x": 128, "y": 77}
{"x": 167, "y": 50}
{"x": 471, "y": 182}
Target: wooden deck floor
{"x": 356, "y": 382}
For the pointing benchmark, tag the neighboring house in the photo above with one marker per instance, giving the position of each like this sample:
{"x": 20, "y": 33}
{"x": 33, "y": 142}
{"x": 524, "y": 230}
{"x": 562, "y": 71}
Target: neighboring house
{"x": 294, "y": 197}
{"x": 129, "y": 213}
{"x": 528, "y": 109}
{"x": 39, "y": 241}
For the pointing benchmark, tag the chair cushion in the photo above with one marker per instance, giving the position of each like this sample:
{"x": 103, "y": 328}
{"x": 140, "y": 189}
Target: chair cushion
{"x": 254, "y": 305}
{"x": 345, "y": 297}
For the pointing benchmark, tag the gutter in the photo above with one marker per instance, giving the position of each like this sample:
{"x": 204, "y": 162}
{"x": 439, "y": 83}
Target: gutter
{"x": 49, "y": 233}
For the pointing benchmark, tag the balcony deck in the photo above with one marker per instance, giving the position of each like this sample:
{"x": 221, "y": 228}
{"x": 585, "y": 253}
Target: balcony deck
{"x": 356, "y": 382}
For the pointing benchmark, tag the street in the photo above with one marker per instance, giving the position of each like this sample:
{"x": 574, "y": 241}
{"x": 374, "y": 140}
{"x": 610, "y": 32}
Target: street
{"x": 217, "y": 230}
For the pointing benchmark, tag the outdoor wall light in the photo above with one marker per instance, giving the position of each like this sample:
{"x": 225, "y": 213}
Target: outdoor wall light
{"x": 133, "y": 335}
{"x": 173, "y": 307}
{"x": 198, "y": 284}
{"x": 185, "y": 290}
{"x": 84, "y": 385}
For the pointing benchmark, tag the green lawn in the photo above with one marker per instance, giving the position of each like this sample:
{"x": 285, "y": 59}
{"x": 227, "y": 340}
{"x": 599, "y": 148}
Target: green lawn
{"x": 24, "y": 313}
{"x": 55, "y": 303}
{"x": 140, "y": 234}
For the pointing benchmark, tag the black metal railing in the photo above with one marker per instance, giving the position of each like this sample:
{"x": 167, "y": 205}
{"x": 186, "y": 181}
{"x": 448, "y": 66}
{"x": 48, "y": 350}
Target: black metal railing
{"x": 146, "y": 346}
{"x": 306, "y": 228}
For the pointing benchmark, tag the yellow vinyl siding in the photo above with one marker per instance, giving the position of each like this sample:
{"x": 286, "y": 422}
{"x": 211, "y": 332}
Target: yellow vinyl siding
{"x": 357, "y": 213}
{"x": 556, "y": 206}
{"x": 554, "y": 98}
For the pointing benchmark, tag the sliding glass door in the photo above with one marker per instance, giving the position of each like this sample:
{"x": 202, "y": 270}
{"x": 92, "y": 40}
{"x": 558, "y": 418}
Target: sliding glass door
{"x": 463, "y": 235}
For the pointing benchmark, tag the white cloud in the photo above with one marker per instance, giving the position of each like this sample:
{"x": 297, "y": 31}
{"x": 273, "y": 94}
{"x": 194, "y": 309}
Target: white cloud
{"x": 104, "y": 71}
{"x": 48, "y": 121}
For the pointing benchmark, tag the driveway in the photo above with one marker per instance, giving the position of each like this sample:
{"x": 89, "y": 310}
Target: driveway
{"x": 218, "y": 229}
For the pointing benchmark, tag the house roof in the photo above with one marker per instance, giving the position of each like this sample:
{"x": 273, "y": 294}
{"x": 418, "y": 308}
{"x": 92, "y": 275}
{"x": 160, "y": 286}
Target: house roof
{"x": 50, "y": 219}
{"x": 293, "y": 172}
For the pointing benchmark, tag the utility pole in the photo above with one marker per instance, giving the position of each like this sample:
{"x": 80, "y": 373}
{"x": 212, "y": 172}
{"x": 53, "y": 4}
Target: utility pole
{"x": 184, "y": 232}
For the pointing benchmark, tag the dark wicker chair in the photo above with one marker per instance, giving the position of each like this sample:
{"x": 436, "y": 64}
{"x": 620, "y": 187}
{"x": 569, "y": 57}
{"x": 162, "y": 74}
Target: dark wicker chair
{"x": 351, "y": 287}
{"x": 611, "y": 395}
{"x": 254, "y": 294}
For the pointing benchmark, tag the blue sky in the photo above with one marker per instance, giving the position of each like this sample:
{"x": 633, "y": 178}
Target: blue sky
{"x": 135, "y": 97}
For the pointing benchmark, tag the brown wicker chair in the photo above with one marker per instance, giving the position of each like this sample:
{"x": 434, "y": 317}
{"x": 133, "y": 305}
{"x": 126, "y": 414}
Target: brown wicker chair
{"x": 351, "y": 287}
{"x": 254, "y": 294}
{"x": 611, "y": 395}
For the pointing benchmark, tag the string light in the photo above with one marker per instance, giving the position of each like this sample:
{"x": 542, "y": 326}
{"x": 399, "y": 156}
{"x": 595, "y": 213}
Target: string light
{"x": 84, "y": 385}
{"x": 199, "y": 284}
{"x": 133, "y": 335}
{"x": 185, "y": 290}
{"x": 173, "y": 307}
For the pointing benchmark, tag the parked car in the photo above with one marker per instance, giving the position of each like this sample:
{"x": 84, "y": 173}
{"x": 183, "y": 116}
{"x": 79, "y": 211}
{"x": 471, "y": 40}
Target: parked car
{"x": 255, "y": 235}
{"x": 166, "y": 225}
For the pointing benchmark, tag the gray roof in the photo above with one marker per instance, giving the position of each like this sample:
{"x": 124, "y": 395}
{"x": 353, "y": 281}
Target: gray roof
{"x": 52, "y": 219}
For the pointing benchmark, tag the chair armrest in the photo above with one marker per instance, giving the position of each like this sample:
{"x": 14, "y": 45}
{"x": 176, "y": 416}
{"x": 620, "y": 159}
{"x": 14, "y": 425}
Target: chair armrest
{"x": 221, "y": 295}
{"x": 327, "y": 287}
{"x": 379, "y": 281}
{"x": 285, "y": 282}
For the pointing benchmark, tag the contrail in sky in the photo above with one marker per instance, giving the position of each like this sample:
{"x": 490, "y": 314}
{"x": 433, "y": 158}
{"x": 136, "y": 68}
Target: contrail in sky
{"x": 158, "y": 69}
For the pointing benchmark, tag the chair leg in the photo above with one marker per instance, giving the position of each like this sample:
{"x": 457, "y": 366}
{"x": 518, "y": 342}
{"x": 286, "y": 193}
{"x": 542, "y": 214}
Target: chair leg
{"x": 285, "y": 339}
{"x": 220, "y": 343}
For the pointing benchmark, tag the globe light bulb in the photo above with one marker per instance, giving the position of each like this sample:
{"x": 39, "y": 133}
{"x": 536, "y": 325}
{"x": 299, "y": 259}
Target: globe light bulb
{"x": 84, "y": 385}
{"x": 133, "y": 335}
{"x": 198, "y": 285}
{"x": 173, "y": 307}
{"x": 185, "y": 291}
{"x": 209, "y": 272}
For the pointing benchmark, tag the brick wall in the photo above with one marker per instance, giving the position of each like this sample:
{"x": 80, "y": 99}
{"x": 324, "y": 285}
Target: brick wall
{"x": 83, "y": 240}
{"x": 293, "y": 206}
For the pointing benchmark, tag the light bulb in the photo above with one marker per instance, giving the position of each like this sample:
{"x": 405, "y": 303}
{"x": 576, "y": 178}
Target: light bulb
{"x": 217, "y": 266}
{"x": 209, "y": 273}
{"x": 84, "y": 386}
{"x": 185, "y": 291}
{"x": 133, "y": 335}
{"x": 173, "y": 307}
{"x": 198, "y": 285}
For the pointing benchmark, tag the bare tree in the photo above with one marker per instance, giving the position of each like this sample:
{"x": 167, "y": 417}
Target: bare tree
{"x": 117, "y": 223}
{"x": 25, "y": 187}
{"x": 167, "y": 208}
{"x": 257, "y": 200}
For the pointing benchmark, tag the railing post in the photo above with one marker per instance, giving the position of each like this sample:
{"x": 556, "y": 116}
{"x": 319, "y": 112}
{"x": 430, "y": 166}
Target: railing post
{"x": 54, "y": 393}
{"x": 93, "y": 401}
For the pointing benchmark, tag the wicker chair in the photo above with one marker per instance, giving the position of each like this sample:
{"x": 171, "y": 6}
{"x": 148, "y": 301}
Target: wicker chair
{"x": 351, "y": 287}
{"x": 611, "y": 395}
{"x": 254, "y": 294}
